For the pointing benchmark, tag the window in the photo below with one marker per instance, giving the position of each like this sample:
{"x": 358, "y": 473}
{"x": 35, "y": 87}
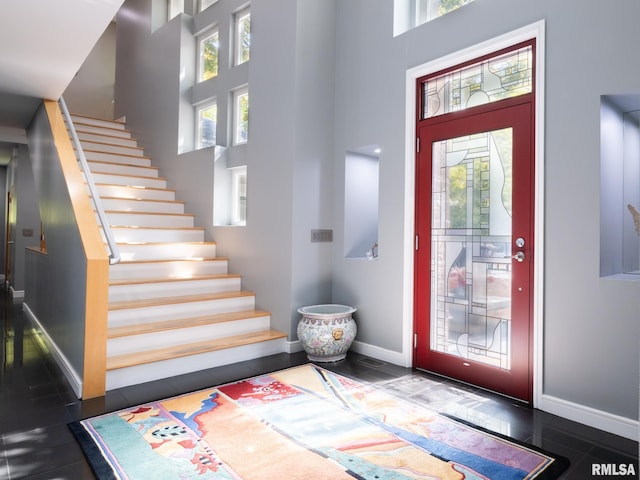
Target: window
{"x": 208, "y": 48}
{"x": 175, "y": 8}
{"x": 241, "y": 116}
{"x": 501, "y": 76}
{"x": 239, "y": 196}
{"x": 242, "y": 43}
{"x": 204, "y": 4}
{"x": 411, "y": 13}
{"x": 206, "y": 121}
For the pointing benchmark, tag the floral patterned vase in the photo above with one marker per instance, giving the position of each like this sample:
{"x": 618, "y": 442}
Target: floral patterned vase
{"x": 326, "y": 331}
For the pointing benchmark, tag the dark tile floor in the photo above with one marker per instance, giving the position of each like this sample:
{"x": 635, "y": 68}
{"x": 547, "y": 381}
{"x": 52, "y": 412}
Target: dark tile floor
{"x": 36, "y": 403}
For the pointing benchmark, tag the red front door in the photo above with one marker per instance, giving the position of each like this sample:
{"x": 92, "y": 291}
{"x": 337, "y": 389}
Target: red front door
{"x": 474, "y": 246}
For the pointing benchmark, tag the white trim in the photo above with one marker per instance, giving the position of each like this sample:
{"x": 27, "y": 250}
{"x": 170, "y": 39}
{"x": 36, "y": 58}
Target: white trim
{"x": 389, "y": 356}
{"x": 622, "y": 426}
{"x": 47, "y": 342}
{"x": 293, "y": 347}
{"x": 537, "y": 31}
{"x": 16, "y": 294}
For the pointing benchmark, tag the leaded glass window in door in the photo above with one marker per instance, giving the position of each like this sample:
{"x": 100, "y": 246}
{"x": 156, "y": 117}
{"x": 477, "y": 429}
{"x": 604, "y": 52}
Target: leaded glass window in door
{"x": 471, "y": 247}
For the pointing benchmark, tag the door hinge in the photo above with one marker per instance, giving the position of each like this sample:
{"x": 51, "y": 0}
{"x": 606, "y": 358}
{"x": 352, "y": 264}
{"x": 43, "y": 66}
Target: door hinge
{"x": 418, "y": 144}
{"x": 415, "y": 340}
{"x": 416, "y": 242}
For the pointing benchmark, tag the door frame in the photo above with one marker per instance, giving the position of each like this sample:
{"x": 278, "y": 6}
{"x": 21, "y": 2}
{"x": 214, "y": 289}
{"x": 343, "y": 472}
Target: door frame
{"x": 534, "y": 31}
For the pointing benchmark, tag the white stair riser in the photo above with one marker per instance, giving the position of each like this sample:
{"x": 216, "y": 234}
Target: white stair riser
{"x": 93, "y": 155}
{"x": 157, "y": 313}
{"x": 120, "y": 293}
{"x": 126, "y": 180}
{"x": 103, "y": 147}
{"x": 125, "y": 235}
{"x": 178, "y": 269}
{"x": 122, "y": 191}
{"x": 109, "y": 131}
{"x": 168, "y": 251}
{"x": 135, "y": 170}
{"x": 168, "y": 368}
{"x": 98, "y": 122}
{"x": 172, "y": 338}
{"x": 128, "y": 205}
{"x": 139, "y": 219}
{"x": 106, "y": 138}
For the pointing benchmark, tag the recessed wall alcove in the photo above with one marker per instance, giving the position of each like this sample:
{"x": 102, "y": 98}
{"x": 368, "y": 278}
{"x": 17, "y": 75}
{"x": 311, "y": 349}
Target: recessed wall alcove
{"x": 619, "y": 186}
{"x": 361, "y": 202}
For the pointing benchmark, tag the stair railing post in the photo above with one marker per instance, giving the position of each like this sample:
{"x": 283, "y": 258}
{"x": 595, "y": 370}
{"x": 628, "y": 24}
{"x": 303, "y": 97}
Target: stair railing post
{"x": 114, "y": 256}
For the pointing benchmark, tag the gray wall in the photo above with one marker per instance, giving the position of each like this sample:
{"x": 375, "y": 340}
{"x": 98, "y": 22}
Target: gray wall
{"x": 289, "y": 162}
{"x": 591, "y": 325}
{"x": 27, "y": 216}
{"x": 90, "y": 92}
{"x": 59, "y": 306}
{"x": 327, "y": 77}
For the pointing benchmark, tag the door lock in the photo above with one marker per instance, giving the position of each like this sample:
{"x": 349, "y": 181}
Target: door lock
{"x": 519, "y": 257}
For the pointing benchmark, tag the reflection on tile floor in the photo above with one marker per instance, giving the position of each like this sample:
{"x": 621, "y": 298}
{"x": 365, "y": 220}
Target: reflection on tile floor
{"x": 36, "y": 403}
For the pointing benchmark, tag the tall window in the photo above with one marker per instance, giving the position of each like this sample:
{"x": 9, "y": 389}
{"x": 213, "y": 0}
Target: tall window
{"x": 204, "y": 4}
{"x": 241, "y": 116}
{"x": 239, "y": 196}
{"x": 206, "y": 121}
{"x": 242, "y": 43}
{"x": 411, "y": 13}
{"x": 208, "y": 48}
{"x": 174, "y": 8}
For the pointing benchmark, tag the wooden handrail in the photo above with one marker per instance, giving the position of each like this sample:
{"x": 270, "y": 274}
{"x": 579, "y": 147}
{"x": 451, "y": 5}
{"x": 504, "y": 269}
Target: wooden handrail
{"x": 97, "y": 274}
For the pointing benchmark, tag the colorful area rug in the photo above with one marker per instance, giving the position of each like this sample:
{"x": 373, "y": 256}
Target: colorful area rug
{"x": 300, "y": 423}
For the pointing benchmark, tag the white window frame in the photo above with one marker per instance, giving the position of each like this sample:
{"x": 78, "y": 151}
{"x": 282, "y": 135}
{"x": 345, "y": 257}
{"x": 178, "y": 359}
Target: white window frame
{"x": 174, "y": 8}
{"x": 239, "y": 196}
{"x": 204, "y": 4}
{"x": 236, "y": 115}
{"x": 201, "y": 39}
{"x": 199, "y": 123}
{"x": 238, "y": 17}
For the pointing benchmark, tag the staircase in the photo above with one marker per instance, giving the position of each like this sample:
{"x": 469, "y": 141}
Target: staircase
{"x": 173, "y": 306}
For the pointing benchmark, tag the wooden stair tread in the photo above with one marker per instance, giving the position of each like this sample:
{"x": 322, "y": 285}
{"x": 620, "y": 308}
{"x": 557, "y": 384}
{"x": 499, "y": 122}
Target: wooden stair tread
{"x": 127, "y": 175}
{"x": 150, "y": 356}
{"x": 164, "y": 260}
{"x": 164, "y": 214}
{"x": 155, "y": 228}
{"x": 97, "y": 142}
{"x": 178, "y": 299}
{"x": 132, "y": 186}
{"x": 138, "y": 199}
{"x": 99, "y": 163}
{"x": 96, "y": 119}
{"x": 141, "y": 281}
{"x": 167, "y": 243}
{"x": 115, "y": 154}
{"x": 142, "y": 328}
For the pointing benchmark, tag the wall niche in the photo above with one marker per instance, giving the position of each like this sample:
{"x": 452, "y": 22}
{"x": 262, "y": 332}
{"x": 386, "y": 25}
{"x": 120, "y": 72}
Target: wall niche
{"x": 619, "y": 186}
{"x": 361, "y": 202}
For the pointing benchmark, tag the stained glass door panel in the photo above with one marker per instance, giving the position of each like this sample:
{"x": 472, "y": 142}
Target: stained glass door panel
{"x": 473, "y": 264}
{"x": 470, "y": 247}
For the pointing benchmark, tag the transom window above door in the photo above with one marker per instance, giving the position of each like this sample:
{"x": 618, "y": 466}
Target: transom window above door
{"x": 493, "y": 78}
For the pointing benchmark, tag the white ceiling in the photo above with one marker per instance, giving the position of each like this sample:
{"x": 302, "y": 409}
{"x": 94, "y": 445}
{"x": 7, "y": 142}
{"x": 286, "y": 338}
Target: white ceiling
{"x": 43, "y": 44}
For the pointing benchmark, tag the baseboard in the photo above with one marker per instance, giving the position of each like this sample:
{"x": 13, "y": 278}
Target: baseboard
{"x": 47, "y": 342}
{"x": 390, "y": 356}
{"x": 16, "y": 294}
{"x": 294, "y": 347}
{"x": 622, "y": 426}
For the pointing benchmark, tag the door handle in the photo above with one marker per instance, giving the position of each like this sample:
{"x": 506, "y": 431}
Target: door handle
{"x": 520, "y": 256}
